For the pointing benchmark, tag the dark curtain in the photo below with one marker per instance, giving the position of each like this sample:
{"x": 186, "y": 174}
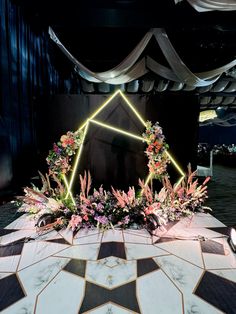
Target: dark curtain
{"x": 26, "y": 72}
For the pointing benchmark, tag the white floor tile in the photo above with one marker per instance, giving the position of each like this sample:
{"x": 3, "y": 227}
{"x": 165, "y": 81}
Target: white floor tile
{"x": 95, "y": 238}
{"x": 9, "y": 263}
{"x": 113, "y": 235}
{"x": 194, "y": 304}
{"x": 183, "y": 274}
{"x": 188, "y": 250}
{"x": 63, "y": 295}
{"x": 99, "y": 273}
{"x": 86, "y": 252}
{"x": 205, "y": 220}
{"x": 134, "y": 238}
{"x": 34, "y": 278}
{"x": 139, "y": 232}
{"x": 35, "y": 251}
{"x": 138, "y": 251}
{"x": 86, "y": 232}
{"x": 14, "y": 236}
{"x": 157, "y": 294}
{"x": 213, "y": 261}
{"x": 110, "y": 308}
{"x": 67, "y": 234}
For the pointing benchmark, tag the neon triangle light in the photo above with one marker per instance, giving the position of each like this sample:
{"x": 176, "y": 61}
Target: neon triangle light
{"x": 91, "y": 120}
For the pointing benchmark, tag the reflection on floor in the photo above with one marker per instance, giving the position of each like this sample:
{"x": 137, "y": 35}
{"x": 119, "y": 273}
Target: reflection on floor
{"x": 187, "y": 268}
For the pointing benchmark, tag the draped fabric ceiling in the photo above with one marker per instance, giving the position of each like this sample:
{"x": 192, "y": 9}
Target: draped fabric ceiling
{"x": 211, "y": 5}
{"x": 134, "y": 66}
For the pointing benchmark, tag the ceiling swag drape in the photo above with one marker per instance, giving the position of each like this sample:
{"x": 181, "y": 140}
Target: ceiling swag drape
{"x": 211, "y": 5}
{"x": 131, "y": 68}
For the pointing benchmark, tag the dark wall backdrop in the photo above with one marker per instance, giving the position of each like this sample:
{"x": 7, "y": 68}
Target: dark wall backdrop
{"x": 26, "y": 72}
{"x": 217, "y": 135}
{"x": 114, "y": 159}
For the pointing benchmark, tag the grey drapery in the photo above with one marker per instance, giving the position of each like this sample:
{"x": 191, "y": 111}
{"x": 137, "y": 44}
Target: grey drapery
{"x": 211, "y": 5}
{"x": 131, "y": 68}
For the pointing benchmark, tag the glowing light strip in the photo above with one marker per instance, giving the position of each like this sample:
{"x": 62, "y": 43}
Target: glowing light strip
{"x": 68, "y": 190}
{"x": 107, "y": 126}
{"x": 180, "y": 180}
{"x": 99, "y": 109}
{"x": 132, "y": 108}
{"x": 175, "y": 163}
{"x": 177, "y": 167}
{"x": 150, "y": 176}
{"x": 76, "y": 161}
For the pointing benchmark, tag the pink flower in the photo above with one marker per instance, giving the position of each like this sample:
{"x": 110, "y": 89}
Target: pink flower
{"x": 75, "y": 221}
{"x": 131, "y": 195}
{"x": 86, "y": 217}
{"x": 96, "y": 194}
{"x": 149, "y": 210}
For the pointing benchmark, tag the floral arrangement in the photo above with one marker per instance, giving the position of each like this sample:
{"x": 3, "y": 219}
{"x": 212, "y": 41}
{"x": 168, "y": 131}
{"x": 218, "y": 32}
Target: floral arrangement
{"x": 143, "y": 208}
{"x": 109, "y": 209}
{"x": 157, "y": 158}
{"x": 59, "y": 157}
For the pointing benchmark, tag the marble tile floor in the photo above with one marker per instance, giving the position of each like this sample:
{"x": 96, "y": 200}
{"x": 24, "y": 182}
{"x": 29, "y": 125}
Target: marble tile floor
{"x": 186, "y": 268}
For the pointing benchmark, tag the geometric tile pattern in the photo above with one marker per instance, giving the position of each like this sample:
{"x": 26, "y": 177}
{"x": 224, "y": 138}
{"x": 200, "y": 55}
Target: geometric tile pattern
{"x": 186, "y": 267}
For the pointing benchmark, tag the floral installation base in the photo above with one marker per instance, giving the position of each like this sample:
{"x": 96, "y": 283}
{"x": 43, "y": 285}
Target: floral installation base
{"x": 111, "y": 209}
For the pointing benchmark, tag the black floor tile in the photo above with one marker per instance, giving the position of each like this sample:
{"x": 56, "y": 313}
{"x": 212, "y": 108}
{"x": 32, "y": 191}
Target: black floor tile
{"x": 213, "y": 247}
{"x": 61, "y": 241}
{"x": 4, "y": 232}
{"x": 222, "y": 230}
{"x": 218, "y": 291}
{"x": 96, "y": 296}
{"x": 112, "y": 249}
{"x": 77, "y": 267}
{"x": 145, "y": 266}
{"x": 165, "y": 239}
{"x": 14, "y": 248}
{"x": 11, "y": 291}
